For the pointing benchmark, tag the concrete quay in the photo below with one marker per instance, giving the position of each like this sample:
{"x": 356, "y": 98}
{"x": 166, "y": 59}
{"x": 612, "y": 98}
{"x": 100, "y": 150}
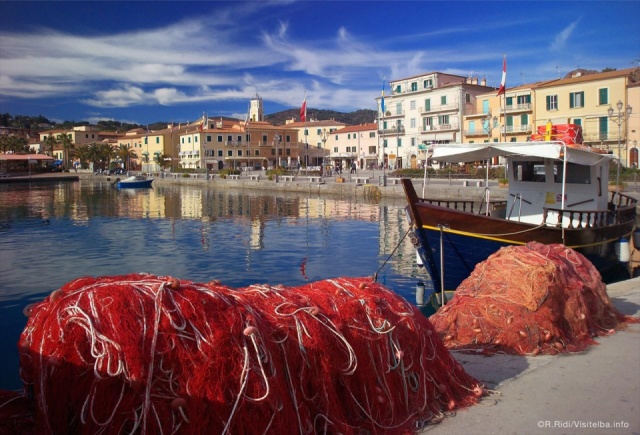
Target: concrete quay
{"x": 593, "y": 392}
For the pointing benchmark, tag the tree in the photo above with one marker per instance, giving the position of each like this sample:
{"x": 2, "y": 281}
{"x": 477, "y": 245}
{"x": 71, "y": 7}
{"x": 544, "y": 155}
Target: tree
{"x": 67, "y": 145}
{"x": 126, "y": 153}
{"x": 50, "y": 142}
{"x": 159, "y": 158}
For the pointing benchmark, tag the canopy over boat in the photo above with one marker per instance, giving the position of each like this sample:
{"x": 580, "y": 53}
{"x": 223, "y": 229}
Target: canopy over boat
{"x": 471, "y": 152}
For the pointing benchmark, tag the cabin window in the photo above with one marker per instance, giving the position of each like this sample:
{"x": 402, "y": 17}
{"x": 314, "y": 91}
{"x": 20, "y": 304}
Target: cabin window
{"x": 576, "y": 174}
{"x": 529, "y": 171}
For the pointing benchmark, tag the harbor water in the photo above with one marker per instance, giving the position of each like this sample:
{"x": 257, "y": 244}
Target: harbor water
{"x": 51, "y": 234}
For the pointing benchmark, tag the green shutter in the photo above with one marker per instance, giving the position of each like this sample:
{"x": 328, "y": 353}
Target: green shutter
{"x": 509, "y": 101}
{"x": 524, "y": 119}
{"x": 509, "y": 121}
{"x": 604, "y": 127}
{"x": 427, "y": 105}
{"x": 548, "y": 102}
{"x": 443, "y": 100}
{"x": 603, "y": 96}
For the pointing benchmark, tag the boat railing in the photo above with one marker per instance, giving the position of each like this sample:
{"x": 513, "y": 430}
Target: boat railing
{"x": 580, "y": 218}
{"x": 620, "y": 199}
{"x": 464, "y": 205}
{"x": 517, "y": 198}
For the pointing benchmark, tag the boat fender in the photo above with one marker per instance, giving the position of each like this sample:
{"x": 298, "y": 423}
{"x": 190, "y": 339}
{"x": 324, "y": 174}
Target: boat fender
{"x": 622, "y": 250}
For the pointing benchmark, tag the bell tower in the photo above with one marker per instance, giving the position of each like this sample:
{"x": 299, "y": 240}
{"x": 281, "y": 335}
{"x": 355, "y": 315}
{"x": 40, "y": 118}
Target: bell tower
{"x": 256, "y": 110}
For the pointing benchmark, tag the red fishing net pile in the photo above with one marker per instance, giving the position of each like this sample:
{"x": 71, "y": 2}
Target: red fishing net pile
{"x": 528, "y": 300}
{"x": 148, "y": 354}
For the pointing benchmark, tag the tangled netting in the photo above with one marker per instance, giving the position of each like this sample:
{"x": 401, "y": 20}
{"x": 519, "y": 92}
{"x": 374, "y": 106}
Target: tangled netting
{"x": 528, "y": 300}
{"x": 148, "y": 354}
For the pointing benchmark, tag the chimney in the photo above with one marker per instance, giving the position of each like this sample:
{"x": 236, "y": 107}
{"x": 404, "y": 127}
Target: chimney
{"x": 474, "y": 80}
{"x": 483, "y": 82}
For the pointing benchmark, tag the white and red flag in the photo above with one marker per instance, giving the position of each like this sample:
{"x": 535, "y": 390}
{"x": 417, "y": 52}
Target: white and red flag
{"x": 503, "y": 82}
{"x": 303, "y": 109}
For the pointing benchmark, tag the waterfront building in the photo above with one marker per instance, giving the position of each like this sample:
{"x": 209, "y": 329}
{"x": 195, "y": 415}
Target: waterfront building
{"x": 584, "y": 98}
{"x": 354, "y": 143}
{"x": 424, "y": 110}
{"x": 314, "y": 136}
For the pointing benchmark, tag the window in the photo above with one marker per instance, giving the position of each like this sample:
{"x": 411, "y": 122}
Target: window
{"x": 385, "y": 126}
{"x": 188, "y": 139}
{"x": 414, "y": 86}
{"x": 384, "y": 143}
{"x": 603, "y": 127}
{"x": 145, "y": 140}
{"x": 509, "y": 101}
{"x": 443, "y": 100}
{"x": 603, "y": 96}
{"x": 576, "y": 100}
{"x": 524, "y": 119}
{"x": 413, "y": 141}
{"x": 372, "y": 134}
{"x": 552, "y": 102}
{"x": 239, "y": 138}
{"x": 532, "y": 171}
{"x": 229, "y": 138}
{"x": 427, "y": 83}
{"x": 349, "y": 136}
{"x": 467, "y": 97}
{"x": 576, "y": 174}
{"x": 485, "y": 106}
{"x": 524, "y": 99}
{"x": 265, "y": 139}
{"x": 472, "y": 127}
{"x": 195, "y": 139}
{"x": 306, "y": 132}
{"x": 398, "y": 108}
{"x": 318, "y": 132}
{"x": 287, "y": 138}
{"x": 412, "y": 122}
{"x": 412, "y": 105}
{"x": 208, "y": 138}
{"x": 577, "y": 121}
{"x": 427, "y": 105}
{"x": 229, "y": 153}
{"x": 335, "y": 149}
{"x": 240, "y": 152}
{"x": 443, "y": 119}
{"x": 398, "y": 89}
{"x": 399, "y": 142}
{"x": 219, "y": 153}
{"x": 220, "y": 138}
{"x": 509, "y": 122}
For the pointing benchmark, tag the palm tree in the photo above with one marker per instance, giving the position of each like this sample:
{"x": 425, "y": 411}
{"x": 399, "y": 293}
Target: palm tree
{"x": 67, "y": 145}
{"x": 51, "y": 142}
{"x": 159, "y": 158}
{"x": 126, "y": 153}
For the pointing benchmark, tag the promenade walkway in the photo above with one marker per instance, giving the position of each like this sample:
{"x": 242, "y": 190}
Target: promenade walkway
{"x": 584, "y": 393}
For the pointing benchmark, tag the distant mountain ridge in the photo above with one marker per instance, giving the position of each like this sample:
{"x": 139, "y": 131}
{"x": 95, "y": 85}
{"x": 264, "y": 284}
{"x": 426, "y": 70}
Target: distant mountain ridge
{"x": 37, "y": 123}
{"x": 362, "y": 116}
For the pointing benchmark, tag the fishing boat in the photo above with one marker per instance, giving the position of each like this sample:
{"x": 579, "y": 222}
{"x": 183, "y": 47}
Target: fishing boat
{"x": 557, "y": 193}
{"x": 134, "y": 182}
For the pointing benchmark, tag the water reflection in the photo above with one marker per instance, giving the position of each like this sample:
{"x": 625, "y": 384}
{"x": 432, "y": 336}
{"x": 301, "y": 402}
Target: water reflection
{"x": 52, "y": 234}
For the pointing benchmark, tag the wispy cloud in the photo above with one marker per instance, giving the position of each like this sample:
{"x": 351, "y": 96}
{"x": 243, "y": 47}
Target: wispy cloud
{"x": 560, "y": 41}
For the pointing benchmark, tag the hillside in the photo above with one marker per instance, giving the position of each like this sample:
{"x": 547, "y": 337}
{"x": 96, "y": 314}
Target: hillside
{"x": 362, "y": 116}
{"x": 37, "y": 123}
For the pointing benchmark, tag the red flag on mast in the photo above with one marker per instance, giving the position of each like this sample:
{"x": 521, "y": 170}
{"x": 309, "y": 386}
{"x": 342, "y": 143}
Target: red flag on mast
{"x": 503, "y": 82}
{"x": 303, "y": 109}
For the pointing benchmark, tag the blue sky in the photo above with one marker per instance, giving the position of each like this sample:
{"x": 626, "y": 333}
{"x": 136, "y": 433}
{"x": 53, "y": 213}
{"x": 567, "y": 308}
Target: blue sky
{"x": 144, "y": 62}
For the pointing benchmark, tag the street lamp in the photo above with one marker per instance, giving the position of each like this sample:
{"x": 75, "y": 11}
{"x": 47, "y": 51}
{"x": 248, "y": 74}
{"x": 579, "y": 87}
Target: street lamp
{"x": 399, "y": 128}
{"x": 277, "y": 138}
{"x": 487, "y": 124}
{"x": 619, "y": 118}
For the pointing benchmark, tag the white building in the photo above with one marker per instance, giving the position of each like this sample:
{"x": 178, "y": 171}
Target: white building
{"x": 423, "y": 110}
{"x": 354, "y": 143}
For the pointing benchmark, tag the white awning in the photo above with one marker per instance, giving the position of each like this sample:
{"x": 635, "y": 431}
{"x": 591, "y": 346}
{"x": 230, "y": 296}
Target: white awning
{"x": 471, "y": 152}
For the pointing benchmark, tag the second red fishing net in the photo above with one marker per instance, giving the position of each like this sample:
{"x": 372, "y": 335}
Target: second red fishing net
{"x": 528, "y": 300}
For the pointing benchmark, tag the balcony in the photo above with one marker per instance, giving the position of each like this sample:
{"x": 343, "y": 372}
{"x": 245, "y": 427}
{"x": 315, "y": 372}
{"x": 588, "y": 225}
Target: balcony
{"x": 475, "y": 133}
{"x": 394, "y": 114}
{"x": 611, "y": 136}
{"x": 519, "y": 107}
{"x": 439, "y": 127}
{"x": 516, "y": 129}
{"x": 439, "y": 108}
